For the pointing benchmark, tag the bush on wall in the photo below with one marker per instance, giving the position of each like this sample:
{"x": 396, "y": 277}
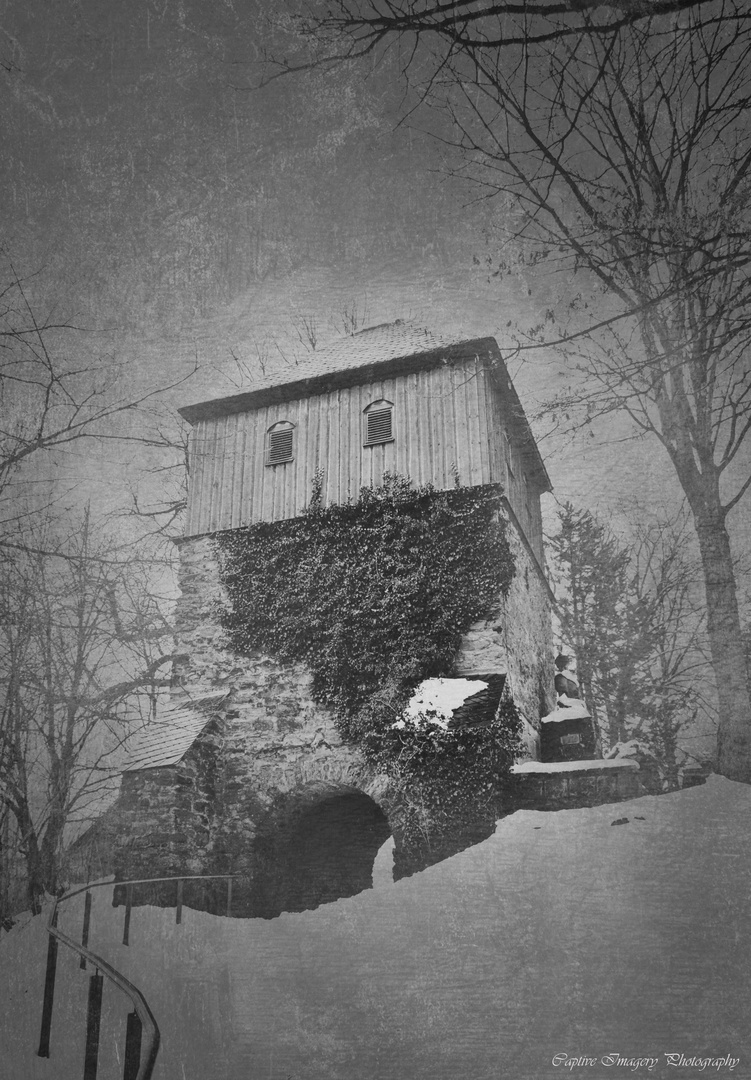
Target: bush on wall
{"x": 374, "y": 596}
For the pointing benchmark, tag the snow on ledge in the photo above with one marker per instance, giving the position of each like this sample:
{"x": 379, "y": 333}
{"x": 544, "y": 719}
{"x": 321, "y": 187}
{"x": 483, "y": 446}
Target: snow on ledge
{"x": 574, "y": 710}
{"x": 586, "y": 765}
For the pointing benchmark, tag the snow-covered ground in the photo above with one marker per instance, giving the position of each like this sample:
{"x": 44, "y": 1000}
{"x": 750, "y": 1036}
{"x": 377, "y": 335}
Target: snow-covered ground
{"x": 563, "y": 939}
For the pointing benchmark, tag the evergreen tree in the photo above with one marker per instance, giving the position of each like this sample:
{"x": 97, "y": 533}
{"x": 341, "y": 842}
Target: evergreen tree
{"x": 631, "y": 616}
{"x": 602, "y": 620}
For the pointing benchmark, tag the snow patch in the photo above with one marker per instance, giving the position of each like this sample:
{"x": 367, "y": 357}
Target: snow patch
{"x": 628, "y": 749}
{"x": 581, "y": 939}
{"x": 586, "y": 765}
{"x": 435, "y": 700}
{"x": 575, "y": 710}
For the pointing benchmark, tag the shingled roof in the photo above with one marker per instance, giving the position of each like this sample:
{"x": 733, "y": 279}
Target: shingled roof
{"x": 167, "y": 739}
{"x": 387, "y": 341}
{"x": 379, "y": 350}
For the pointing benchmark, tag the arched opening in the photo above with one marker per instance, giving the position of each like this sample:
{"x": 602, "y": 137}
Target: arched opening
{"x": 317, "y": 846}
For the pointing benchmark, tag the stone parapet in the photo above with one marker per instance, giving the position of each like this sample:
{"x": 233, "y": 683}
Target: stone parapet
{"x": 572, "y": 785}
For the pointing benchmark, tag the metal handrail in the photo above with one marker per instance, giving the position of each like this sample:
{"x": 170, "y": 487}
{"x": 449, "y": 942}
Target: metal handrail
{"x": 150, "y": 1028}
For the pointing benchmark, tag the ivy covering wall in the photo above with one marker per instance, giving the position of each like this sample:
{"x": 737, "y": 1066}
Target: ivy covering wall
{"x": 374, "y": 596}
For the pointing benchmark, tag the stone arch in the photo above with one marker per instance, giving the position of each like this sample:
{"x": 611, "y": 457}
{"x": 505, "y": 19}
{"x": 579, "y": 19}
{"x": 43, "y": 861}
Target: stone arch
{"x": 316, "y": 844}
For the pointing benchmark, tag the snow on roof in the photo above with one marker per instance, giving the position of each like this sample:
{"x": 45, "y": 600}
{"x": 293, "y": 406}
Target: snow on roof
{"x": 167, "y": 739}
{"x": 585, "y": 765}
{"x": 435, "y": 700}
{"x": 364, "y": 350}
{"x": 376, "y": 344}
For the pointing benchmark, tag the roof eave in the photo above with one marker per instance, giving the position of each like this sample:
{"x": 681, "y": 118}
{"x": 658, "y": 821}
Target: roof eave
{"x": 335, "y": 380}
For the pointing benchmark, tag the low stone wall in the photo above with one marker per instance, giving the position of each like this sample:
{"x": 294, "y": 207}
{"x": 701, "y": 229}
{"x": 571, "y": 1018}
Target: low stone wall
{"x": 572, "y": 785}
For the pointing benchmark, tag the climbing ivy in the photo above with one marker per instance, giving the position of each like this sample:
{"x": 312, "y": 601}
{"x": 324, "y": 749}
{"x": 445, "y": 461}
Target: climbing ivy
{"x": 374, "y": 596}
{"x": 448, "y": 778}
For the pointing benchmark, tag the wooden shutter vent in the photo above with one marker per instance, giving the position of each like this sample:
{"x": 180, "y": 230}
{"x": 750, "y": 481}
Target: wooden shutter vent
{"x": 379, "y": 426}
{"x": 280, "y": 446}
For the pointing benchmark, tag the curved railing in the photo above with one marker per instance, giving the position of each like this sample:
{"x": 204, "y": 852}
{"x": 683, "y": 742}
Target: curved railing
{"x": 142, "y": 1036}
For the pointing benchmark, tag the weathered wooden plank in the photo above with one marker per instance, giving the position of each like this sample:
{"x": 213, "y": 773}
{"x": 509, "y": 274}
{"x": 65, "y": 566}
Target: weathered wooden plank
{"x": 197, "y": 489}
{"x": 355, "y": 442}
{"x": 495, "y": 432}
{"x": 421, "y": 407}
{"x": 232, "y": 511}
{"x": 324, "y": 442}
{"x": 256, "y": 438}
{"x": 224, "y": 474}
{"x": 214, "y": 450}
{"x": 388, "y": 459}
{"x": 463, "y": 443}
{"x": 482, "y": 427}
{"x": 238, "y": 509}
{"x": 338, "y": 463}
{"x": 302, "y": 457}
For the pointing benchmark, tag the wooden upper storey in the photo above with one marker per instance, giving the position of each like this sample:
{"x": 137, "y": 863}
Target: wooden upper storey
{"x": 389, "y": 399}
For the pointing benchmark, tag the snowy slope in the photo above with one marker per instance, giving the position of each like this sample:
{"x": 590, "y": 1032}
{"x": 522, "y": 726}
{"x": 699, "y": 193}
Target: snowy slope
{"x": 562, "y": 934}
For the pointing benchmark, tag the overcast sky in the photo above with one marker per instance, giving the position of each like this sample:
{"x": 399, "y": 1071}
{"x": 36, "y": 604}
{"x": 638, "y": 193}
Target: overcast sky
{"x": 183, "y": 214}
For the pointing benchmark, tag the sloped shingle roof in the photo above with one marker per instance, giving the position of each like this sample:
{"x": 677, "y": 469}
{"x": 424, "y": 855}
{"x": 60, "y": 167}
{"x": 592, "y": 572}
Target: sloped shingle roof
{"x": 167, "y": 739}
{"x": 372, "y": 346}
{"x": 361, "y": 352}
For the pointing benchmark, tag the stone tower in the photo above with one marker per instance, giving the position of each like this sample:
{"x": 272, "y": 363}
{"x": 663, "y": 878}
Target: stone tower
{"x": 246, "y": 772}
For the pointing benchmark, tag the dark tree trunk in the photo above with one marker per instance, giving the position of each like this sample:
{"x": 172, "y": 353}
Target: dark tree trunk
{"x": 34, "y": 873}
{"x": 41, "y": 858}
{"x": 726, "y": 646}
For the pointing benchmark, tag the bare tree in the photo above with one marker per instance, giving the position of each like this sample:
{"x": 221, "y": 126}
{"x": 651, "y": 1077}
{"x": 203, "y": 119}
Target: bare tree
{"x": 56, "y": 396}
{"x": 338, "y": 30}
{"x": 620, "y": 155}
{"x": 84, "y": 643}
{"x": 675, "y": 688}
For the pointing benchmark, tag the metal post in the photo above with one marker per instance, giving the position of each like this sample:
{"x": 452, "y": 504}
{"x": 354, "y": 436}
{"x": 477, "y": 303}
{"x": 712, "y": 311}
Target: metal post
{"x": 49, "y": 993}
{"x": 128, "y": 906}
{"x": 86, "y": 924}
{"x": 93, "y": 1021}
{"x": 229, "y": 897}
{"x": 132, "y": 1047}
{"x": 179, "y": 906}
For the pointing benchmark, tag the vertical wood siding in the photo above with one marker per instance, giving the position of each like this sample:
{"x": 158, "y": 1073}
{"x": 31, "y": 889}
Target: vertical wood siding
{"x": 446, "y": 421}
{"x": 514, "y": 465}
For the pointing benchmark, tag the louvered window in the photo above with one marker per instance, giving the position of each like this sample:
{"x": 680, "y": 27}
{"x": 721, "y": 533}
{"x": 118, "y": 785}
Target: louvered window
{"x": 379, "y": 427}
{"x": 279, "y": 443}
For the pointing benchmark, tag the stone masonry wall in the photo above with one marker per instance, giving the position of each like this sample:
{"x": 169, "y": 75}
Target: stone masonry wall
{"x": 273, "y": 701}
{"x": 518, "y": 641}
{"x": 270, "y": 739}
